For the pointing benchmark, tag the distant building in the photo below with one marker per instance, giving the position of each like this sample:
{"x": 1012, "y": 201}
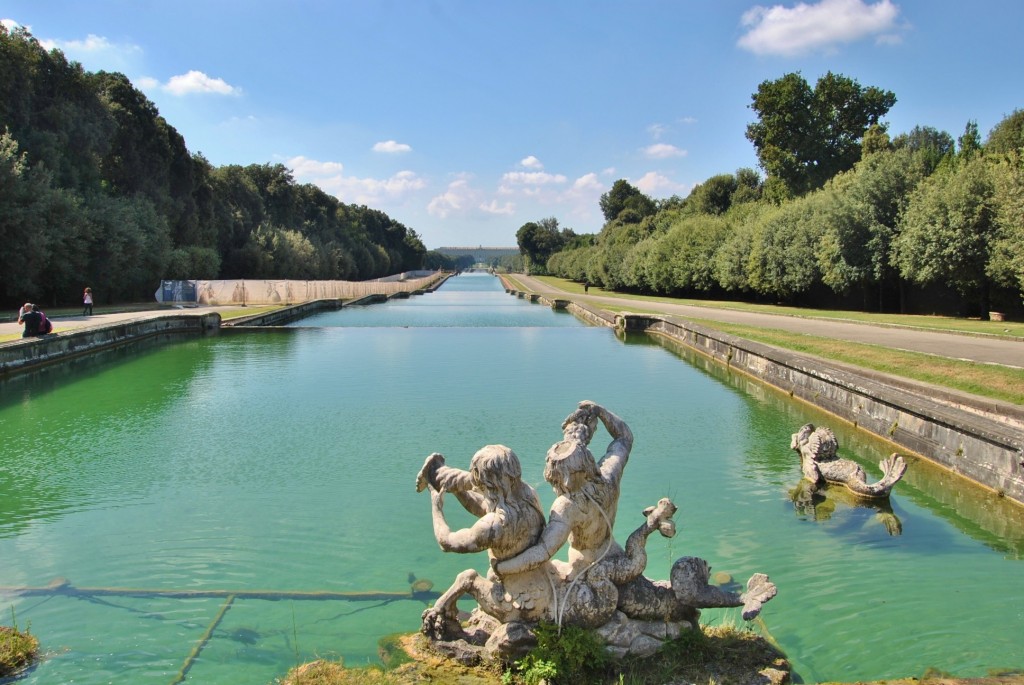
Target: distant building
{"x": 480, "y": 253}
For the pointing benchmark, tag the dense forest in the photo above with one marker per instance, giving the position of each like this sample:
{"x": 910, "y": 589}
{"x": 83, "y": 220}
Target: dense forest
{"x": 846, "y": 216}
{"x": 97, "y": 189}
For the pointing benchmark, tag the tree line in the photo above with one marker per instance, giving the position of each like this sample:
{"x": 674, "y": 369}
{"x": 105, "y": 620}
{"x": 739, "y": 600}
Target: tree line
{"x": 845, "y": 216}
{"x": 98, "y": 189}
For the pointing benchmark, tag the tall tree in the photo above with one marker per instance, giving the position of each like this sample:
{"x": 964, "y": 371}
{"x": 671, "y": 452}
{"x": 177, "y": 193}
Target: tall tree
{"x": 624, "y": 197}
{"x": 538, "y": 240}
{"x": 806, "y": 136}
{"x": 1008, "y": 135}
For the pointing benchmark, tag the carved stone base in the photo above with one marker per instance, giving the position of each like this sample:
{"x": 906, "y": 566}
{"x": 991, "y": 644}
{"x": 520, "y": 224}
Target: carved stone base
{"x": 624, "y": 636}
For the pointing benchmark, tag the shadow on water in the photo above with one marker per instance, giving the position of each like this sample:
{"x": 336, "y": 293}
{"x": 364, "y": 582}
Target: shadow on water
{"x": 983, "y": 515}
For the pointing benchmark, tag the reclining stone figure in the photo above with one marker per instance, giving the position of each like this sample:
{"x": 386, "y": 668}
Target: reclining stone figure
{"x": 820, "y": 463}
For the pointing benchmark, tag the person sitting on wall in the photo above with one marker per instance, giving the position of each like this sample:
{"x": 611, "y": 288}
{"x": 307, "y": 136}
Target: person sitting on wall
{"x": 32, "y": 320}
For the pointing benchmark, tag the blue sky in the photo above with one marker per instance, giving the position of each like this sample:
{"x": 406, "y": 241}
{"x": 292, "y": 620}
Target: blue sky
{"x": 464, "y": 119}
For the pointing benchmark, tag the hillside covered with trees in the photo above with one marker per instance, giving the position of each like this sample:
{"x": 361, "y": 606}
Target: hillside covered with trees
{"x": 97, "y": 189}
{"x": 846, "y": 216}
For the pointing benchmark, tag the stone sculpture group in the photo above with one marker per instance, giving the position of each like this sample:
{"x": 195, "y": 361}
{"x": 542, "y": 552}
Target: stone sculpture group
{"x": 600, "y": 586}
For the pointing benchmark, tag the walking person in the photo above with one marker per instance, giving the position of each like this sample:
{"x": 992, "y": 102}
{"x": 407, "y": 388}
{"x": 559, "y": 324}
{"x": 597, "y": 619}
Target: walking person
{"x": 87, "y": 302}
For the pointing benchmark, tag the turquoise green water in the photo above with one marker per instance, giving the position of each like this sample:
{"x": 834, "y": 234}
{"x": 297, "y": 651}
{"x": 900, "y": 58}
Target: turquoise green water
{"x": 285, "y": 462}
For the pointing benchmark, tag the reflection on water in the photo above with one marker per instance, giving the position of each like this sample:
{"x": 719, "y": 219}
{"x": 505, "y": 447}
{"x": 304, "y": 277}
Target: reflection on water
{"x": 819, "y": 502}
{"x": 284, "y": 463}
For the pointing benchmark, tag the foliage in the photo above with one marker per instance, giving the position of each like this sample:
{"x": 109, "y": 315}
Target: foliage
{"x": 1008, "y": 135}
{"x": 805, "y": 136}
{"x": 567, "y": 655}
{"x": 626, "y": 201}
{"x": 538, "y": 240}
{"x": 95, "y": 183}
{"x": 18, "y": 648}
{"x": 948, "y": 229}
{"x": 1006, "y": 266}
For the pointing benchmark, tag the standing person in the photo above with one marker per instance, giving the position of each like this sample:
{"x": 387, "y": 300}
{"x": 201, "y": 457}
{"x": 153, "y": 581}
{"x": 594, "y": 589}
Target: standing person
{"x": 87, "y": 302}
{"x": 32, "y": 320}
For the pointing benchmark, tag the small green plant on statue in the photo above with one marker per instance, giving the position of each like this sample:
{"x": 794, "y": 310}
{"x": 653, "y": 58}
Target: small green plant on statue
{"x": 571, "y": 655}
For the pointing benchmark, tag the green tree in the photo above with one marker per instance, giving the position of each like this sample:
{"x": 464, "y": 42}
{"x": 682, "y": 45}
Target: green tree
{"x": 861, "y": 209}
{"x": 1006, "y": 266}
{"x": 947, "y": 232}
{"x": 538, "y": 240}
{"x": 1008, "y": 135}
{"x": 625, "y": 198}
{"x": 970, "y": 142}
{"x": 929, "y": 144}
{"x": 805, "y": 136}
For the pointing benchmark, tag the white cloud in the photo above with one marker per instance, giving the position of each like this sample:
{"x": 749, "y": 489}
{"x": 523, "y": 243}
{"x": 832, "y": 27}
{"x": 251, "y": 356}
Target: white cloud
{"x": 311, "y": 168}
{"x": 688, "y": 120}
{"x": 657, "y": 130}
{"x": 458, "y": 196}
{"x": 656, "y": 185}
{"x": 531, "y": 162}
{"x": 366, "y": 191}
{"x": 779, "y": 30}
{"x": 391, "y": 147}
{"x": 587, "y": 182}
{"x": 198, "y": 82}
{"x": 532, "y": 178}
{"x": 493, "y": 207}
{"x": 11, "y": 25}
{"x": 663, "y": 151}
{"x": 97, "y": 52}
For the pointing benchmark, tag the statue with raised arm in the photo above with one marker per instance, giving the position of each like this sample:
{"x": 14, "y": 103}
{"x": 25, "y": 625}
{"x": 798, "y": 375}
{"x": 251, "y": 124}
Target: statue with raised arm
{"x": 821, "y": 464}
{"x": 510, "y": 520}
{"x": 601, "y": 585}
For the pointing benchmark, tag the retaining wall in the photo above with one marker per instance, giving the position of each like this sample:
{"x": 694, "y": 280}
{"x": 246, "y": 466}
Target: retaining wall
{"x": 30, "y": 353}
{"x": 976, "y": 440}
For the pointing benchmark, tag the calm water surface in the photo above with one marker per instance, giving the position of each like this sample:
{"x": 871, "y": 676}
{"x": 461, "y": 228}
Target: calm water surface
{"x": 284, "y": 462}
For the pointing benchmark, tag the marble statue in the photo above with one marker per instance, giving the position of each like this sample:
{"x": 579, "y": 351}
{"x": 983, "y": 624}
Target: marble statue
{"x": 600, "y": 586}
{"x": 820, "y": 463}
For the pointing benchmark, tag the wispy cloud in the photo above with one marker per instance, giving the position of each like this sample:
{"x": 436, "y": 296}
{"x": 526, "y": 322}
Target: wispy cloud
{"x": 663, "y": 151}
{"x": 531, "y": 178}
{"x": 367, "y": 191}
{"x": 494, "y": 207}
{"x": 310, "y": 168}
{"x": 808, "y": 27}
{"x": 392, "y": 147}
{"x": 456, "y": 198}
{"x": 657, "y": 185}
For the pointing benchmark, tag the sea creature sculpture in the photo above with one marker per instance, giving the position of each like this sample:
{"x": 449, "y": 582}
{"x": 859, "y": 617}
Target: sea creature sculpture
{"x": 820, "y": 463}
{"x": 600, "y": 586}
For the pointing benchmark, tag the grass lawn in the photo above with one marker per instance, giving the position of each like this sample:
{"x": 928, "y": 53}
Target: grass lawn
{"x": 986, "y": 380}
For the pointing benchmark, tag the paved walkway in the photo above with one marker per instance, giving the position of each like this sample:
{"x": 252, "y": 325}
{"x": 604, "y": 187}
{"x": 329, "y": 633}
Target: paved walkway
{"x": 67, "y": 323}
{"x": 983, "y": 349}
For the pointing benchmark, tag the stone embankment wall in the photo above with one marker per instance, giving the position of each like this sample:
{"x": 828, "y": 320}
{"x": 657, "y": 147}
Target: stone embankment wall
{"x": 974, "y": 439}
{"x": 31, "y": 353}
